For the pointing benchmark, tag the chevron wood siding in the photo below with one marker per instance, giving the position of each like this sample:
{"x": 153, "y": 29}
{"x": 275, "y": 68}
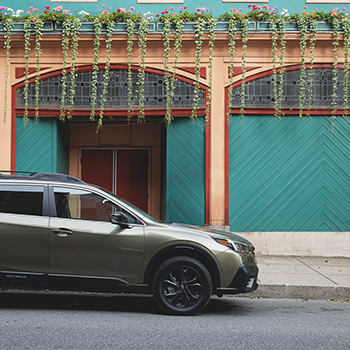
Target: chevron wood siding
{"x": 289, "y": 175}
{"x": 185, "y": 159}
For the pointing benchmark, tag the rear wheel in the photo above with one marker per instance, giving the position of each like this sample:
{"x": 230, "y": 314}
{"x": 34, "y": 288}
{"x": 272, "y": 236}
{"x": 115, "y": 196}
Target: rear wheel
{"x": 182, "y": 286}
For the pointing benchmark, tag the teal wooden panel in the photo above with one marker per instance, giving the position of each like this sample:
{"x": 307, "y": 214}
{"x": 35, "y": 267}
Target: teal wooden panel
{"x": 289, "y": 175}
{"x": 36, "y": 145}
{"x": 185, "y": 184}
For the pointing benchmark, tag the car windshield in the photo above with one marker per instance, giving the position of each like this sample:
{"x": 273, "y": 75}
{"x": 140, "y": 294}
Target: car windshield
{"x": 120, "y": 199}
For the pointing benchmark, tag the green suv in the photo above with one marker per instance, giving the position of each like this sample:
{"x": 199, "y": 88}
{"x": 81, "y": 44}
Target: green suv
{"x": 58, "y": 232}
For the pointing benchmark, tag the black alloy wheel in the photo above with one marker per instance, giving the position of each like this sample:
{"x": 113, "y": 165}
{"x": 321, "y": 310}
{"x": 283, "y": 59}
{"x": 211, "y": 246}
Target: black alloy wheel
{"x": 182, "y": 286}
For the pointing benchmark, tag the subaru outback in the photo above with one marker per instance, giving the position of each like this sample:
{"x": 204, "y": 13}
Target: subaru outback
{"x": 58, "y": 232}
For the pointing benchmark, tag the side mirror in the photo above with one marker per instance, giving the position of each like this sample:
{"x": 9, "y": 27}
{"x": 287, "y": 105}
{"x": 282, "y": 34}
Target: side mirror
{"x": 120, "y": 219}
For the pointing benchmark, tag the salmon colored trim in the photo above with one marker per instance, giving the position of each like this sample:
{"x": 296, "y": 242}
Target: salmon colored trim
{"x": 207, "y": 165}
{"x": 13, "y": 129}
{"x": 202, "y": 72}
{"x": 227, "y": 160}
{"x": 112, "y": 112}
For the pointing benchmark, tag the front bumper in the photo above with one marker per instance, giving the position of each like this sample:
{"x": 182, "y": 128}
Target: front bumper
{"x": 245, "y": 281}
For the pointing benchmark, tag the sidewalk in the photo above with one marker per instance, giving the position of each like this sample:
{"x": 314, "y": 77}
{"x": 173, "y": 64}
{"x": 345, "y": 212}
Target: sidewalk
{"x": 303, "y": 277}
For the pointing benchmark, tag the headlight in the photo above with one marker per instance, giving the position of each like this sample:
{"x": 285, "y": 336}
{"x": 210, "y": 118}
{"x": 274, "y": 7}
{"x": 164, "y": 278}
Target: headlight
{"x": 236, "y": 246}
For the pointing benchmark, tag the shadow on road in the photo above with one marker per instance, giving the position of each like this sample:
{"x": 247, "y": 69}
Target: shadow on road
{"x": 42, "y": 300}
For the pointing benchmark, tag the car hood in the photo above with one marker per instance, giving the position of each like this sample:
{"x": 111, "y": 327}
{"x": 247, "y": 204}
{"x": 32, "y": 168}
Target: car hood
{"x": 210, "y": 232}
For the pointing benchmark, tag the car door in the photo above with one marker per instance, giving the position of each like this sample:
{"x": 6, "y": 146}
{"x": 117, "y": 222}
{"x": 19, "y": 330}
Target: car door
{"x": 24, "y": 234}
{"x": 84, "y": 243}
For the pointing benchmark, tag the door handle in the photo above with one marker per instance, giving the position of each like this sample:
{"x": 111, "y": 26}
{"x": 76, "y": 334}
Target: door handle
{"x": 62, "y": 232}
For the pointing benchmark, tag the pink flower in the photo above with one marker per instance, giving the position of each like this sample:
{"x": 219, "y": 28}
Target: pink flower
{"x": 129, "y": 11}
{"x": 28, "y": 12}
{"x": 198, "y": 9}
{"x": 65, "y": 11}
{"x": 315, "y": 9}
{"x": 105, "y": 12}
{"x": 109, "y": 8}
{"x": 199, "y": 13}
{"x": 260, "y": 14}
{"x": 33, "y": 19}
{"x": 171, "y": 8}
{"x": 333, "y": 14}
{"x": 259, "y": 8}
{"x": 305, "y": 7}
{"x": 104, "y": 5}
{"x": 313, "y": 15}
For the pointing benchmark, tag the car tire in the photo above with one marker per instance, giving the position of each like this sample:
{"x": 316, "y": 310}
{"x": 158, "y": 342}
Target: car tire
{"x": 182, "y": 286}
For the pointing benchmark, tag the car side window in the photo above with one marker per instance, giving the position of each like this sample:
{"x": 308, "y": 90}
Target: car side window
{"x": 80, "y": 204}
{"x": 27, "y": 200}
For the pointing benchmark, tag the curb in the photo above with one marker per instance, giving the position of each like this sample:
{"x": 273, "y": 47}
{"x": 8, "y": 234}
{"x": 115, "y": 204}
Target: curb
{"x": 288, "y": 291}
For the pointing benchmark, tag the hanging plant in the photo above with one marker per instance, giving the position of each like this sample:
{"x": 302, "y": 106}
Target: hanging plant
{"x": 26, "y": 28}
{"x": 97, "y": 31}
{"x": 346, "y": 29}
{"x": 75, "y": 28}
{"x": 105, "y": 79}
{"x": 282, "y": 32}
{"x": 212, "y": 31}
{"x": 38, "y": 25}
{"x": 130, "y": 24}
{"x": 66, "y": 27}
{"x": 143, "y": 31}
{"x": 232, "y": 30}
{"x": 244, "y": 28}
{"x": 166, "y": 44}
{"x": 273, "y": 28}
{"x": 177, "y": 48}
{"x": 302, "y": 25}
{"x": 8, "y": 24}
{"x": 335, "y": 67}
{"x": 313, "y": 32}
{"x": 198, "y": 34}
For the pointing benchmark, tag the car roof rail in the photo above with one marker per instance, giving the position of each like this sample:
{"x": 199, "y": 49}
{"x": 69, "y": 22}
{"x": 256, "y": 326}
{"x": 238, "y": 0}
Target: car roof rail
{"x": 39, "y": 176}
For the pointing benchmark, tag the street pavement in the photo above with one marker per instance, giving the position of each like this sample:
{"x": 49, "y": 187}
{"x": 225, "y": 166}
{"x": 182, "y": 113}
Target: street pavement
{"x": 303, "y": 277}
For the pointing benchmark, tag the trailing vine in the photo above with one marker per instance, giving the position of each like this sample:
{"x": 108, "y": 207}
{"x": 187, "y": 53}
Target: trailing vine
{"x": 211, "y": 29}
{"x": 66, "y": 27}
{"x": 313, "y": 32}
{"x": 105, "y": 79}
{"x": 177, "y": 48}
{"x": 8, "y": 24}
{"x": 232, "y": 30}
{"x": 166, "y": 41}
{"x": 97, "y": 31}
{"x": 26, "y": 28}
{"x": 143, "y": 31}
{"x": 302, "y": 25}
{"x": 75, "y": 28}
{"x": 335, "y": 67}
{"x": 282, "y": 32}
{"x": 198, "y": 33}
{"x": 130, "y": 24}
{"x": 244, "y": 28}
{"x": 39, "y": 24}
{"x": 273, "y": 28}
{"x": 346, "y": 29}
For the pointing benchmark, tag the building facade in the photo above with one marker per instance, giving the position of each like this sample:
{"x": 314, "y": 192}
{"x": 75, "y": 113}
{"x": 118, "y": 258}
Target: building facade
{"x": 258, "y": 140}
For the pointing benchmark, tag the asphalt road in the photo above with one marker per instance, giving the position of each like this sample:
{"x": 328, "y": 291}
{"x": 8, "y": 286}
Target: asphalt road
{"x": 55, "y": 321}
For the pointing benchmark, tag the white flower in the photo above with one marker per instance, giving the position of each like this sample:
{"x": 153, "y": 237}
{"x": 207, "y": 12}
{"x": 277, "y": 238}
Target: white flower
{"x": 148, "y": 15}
{"x": 82, "y": 12}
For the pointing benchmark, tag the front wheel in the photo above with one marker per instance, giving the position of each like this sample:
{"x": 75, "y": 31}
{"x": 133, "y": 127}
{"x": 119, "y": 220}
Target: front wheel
{"x": 182, "y": 286}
